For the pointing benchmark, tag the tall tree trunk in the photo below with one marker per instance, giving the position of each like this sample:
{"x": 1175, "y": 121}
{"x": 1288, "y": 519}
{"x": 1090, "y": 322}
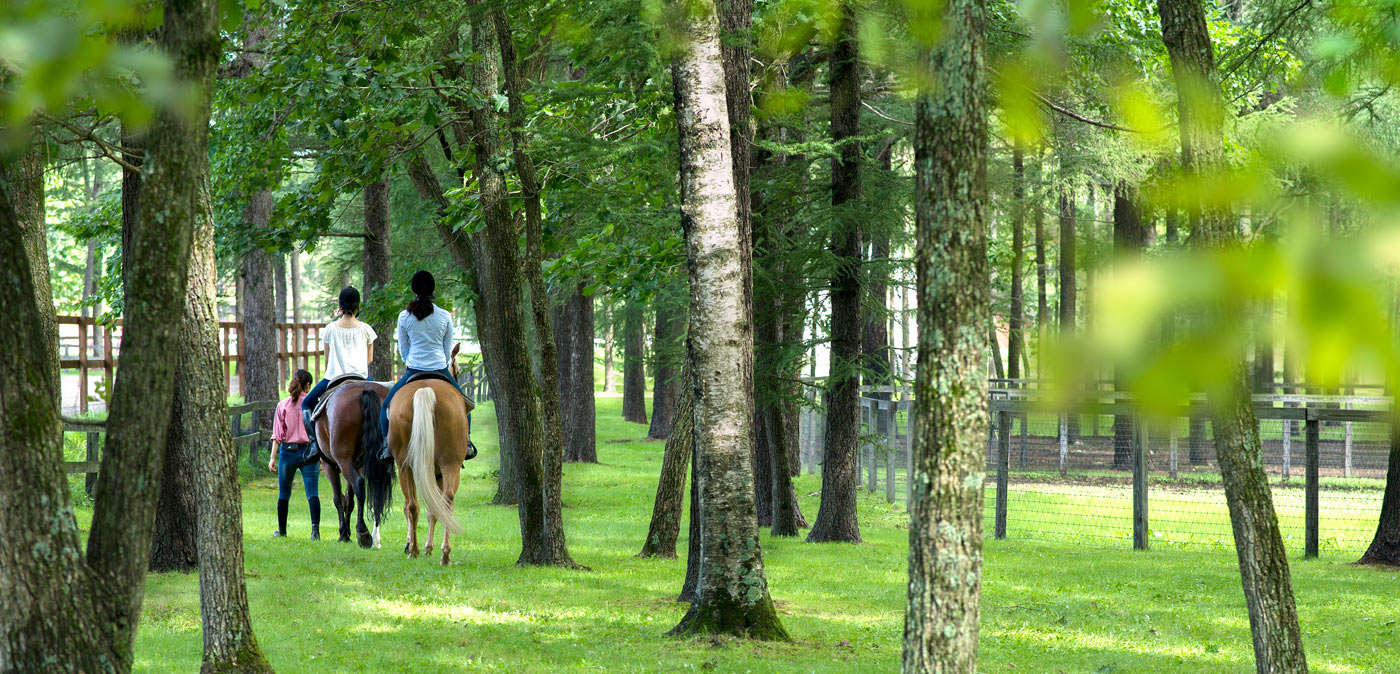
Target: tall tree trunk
{"x": 1042, "y": 304}
{"x": 732, "y": 594}
{"x": 259, "y": 314}
{"x": 1067, "y": 285}
{"x": 670, "y": 489}
{"x": 608, "y": 355}
{"x": 875, "y": 336}
{"x": 501, "y": 322}
{"x": 945, "y": 529}
{"x": 201, "y": 402}
{"x": 465, "y": 252}
{"x": 582, "y": 420}
{"x": 62, "y": 609}
{"x": 1016, "y": 316}
{"x": 1128, "y": 244}
{"x": 1385, "y": 545}
{"x": 1273, "y": 616}
{"x": 836, "y": 517}
{"x": 375, "y": 259}
{"x": 634, "y": 381}
{"x": 668, "y": 356}
{"x": 27, "y": 189}
{"x": 576, "y": 377}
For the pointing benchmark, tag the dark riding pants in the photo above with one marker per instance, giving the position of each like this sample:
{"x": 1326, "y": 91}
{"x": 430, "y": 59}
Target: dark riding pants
{"x": 308, "y": 402}
{"x": 288, "y": 455}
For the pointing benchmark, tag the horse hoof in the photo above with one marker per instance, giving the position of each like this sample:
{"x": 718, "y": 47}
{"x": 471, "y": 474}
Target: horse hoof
{"x": 366, "y": 541}
{"x": 444, "y": 562}
{"x": 427, "y": 549}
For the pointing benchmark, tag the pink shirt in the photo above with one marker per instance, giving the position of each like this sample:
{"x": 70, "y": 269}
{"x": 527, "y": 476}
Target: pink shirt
{"x": 286, "y": 422}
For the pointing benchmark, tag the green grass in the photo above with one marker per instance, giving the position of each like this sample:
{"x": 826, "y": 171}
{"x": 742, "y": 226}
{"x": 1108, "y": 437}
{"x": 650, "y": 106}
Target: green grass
{"x": 1048, "y": 605}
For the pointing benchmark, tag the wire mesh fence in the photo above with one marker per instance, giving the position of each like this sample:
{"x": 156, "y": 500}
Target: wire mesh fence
{"x": 1071, "y": 476}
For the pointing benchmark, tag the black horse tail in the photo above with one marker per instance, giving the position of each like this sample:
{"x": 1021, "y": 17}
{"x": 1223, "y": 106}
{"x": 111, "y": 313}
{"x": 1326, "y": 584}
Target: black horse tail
{"x": 378, "y": 473}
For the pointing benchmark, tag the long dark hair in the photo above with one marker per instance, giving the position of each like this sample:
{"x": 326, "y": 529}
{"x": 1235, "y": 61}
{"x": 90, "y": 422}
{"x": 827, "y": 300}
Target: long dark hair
{"x": 423, "y": 286}
{"x": 303, "y": 379}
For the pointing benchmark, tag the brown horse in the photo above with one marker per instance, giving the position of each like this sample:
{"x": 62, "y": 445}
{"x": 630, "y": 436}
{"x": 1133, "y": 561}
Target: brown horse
{"x": 348, "y": 432}
{"x": 429, "y": 435}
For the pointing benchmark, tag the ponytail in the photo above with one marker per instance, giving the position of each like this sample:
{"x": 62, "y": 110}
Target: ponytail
{"x": 421, "y": 307}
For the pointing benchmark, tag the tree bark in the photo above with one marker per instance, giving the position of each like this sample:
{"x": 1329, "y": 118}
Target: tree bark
{"x": 61, "y": 609}
{"x": 576, "y": 377}
{"x": 1067, "y": 286}
{"x": 732, "y": 594}
{"x": 201, "y": 404}
{"x": 876, "y": 336}
{"x": 1016, "y": 316}
{"x": 375, "y": 258}
{"x": 1385, "y": 545}
{"x": 608, "y": 356}
{"x": 501, "y": 323}
{"x": 1273, "y": 616}
{"x": 670, "y": 489}
{"x": 950, "y": 399}
{"x": 836, "y": 516}
{"x": 259, "y": 314}
{"x": 634, "y": 382}
{"x": 27, "y": 190}
{"x": 1042, "y": 304}
{"x": 668, "y": 353}
{"x": 1128, "y": 244}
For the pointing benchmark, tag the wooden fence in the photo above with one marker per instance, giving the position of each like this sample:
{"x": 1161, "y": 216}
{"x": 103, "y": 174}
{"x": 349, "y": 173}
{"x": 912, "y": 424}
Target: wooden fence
{"x": 91, "y": 345}
{"x": 94, "y": 433}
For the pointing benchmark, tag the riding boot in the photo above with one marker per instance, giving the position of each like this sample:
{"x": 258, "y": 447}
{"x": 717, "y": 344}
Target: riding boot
{"x": 310, "y": 431}
{"x": 314, "y": 503}
{"x": 384, "y": 453}
{"x": 281, "y": 518}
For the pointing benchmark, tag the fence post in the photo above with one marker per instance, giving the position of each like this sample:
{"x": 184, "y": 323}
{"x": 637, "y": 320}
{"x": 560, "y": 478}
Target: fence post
{"x": 892, "y": 441}
{"x": 1287, "y": 447}
{"x": 1064, "y": 446}
{"x": 1172, "y": 442}
{"x": 1139, "y": 458}
{"x": 82, "y": 366}
{"x": 90, "y": 480}
{"x": 1310, "y": 490}
{"x": 1003, "y": 468}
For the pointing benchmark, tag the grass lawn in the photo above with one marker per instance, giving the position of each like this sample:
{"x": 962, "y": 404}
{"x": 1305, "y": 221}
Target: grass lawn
{"x": 1048, "y": 605}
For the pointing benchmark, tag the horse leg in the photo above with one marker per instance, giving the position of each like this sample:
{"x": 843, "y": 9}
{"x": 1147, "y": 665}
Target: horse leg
{"x": 448, "y": 482}
{"x": 410, "y": 512}
{"x": 342, "y": 508}
{"x": 432, "y": 532}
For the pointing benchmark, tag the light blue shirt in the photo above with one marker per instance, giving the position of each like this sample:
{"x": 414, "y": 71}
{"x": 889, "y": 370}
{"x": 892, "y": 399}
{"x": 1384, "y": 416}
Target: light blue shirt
{"x": 425, "y": 344}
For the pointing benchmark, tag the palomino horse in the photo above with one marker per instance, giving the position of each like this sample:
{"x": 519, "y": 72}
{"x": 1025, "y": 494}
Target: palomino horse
{"x": 348, "y": 433}
{"x": 429, "y": 439}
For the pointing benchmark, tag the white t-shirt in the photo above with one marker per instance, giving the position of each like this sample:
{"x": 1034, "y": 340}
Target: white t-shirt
{"x": 347, "y": 350}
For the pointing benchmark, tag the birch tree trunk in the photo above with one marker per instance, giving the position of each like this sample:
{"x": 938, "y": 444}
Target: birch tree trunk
{"x": 1273, "y": 616}
{"x": 63, "y": 610}
{"x": 836, "y": 516}
{"x": 945, "y": 530}
{"x": 732, "y": 591}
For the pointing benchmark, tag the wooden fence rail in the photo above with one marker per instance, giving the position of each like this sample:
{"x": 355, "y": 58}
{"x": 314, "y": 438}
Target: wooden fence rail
{"x": 95, "y": 431}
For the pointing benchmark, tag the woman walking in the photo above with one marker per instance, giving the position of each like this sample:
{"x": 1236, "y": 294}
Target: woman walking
{"x": 290, "y": 454}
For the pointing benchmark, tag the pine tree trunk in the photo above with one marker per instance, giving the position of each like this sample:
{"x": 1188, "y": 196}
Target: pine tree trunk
{"x": 229, "y": 644}
{"x": 634, "y": 382}
{"x": 502, "y": 325}
{"x": 375, "y": 259}
{"x": 950, "y": 394}
{"x": 1385, "y": 546}
{"x": 1127, "y": 245}
{"x": 1042, "y": 304}
{"x": 1016, "y": 316}
{"x": 61, "y": 610}
{"x": 576, "y": 378}
{"x": 668, "y": 351}
{"x": 670, "y": 489}
{"x": 732, "y": 594}
{"x": 1067, "y": 286}
{"x": 836, "y": 516}
{"x": 1273, "y": 616}
{"x": 259, "y": 315}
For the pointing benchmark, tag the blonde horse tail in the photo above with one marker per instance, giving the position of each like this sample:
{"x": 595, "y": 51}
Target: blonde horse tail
{"x": 422, "y": 459}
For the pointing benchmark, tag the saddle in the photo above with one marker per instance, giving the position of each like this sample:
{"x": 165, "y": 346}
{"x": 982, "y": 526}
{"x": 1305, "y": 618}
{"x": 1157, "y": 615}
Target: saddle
{"x": 423, "y": 376}
{"x": 330, "y": 387}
